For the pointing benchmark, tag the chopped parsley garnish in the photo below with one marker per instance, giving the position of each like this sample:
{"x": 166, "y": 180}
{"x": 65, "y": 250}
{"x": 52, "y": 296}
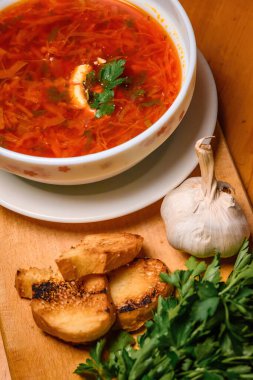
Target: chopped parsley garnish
{"x": 153, "y": 102}
{"x": 53, "y": 34}
{"x": 37, "y": 113}
{"x": 103, "y": 103}
{"x": 139, "y": 92}
{"x": 55, "y": 95}
{"x": 89, "y": 138}
{"x": 100, "y": 98}
{"x": 104, "y": 109}
{"x": 109, "y": 77}
{"x": 109, "y": 74}
{"x": 130, "y": 23}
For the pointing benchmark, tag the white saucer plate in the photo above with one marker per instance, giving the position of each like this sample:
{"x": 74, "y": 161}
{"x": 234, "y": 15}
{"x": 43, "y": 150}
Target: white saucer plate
{"x": 133, "y": 190}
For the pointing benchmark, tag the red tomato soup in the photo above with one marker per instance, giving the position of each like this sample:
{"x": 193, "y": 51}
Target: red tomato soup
{"x": 81, "y": 76}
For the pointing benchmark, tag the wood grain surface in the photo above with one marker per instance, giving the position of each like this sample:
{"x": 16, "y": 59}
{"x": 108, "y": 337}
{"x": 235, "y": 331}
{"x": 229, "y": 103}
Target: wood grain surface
{"x": 24, "y": 242}
{"x": 4, "y": 367}
{"x": 224, "y": 31}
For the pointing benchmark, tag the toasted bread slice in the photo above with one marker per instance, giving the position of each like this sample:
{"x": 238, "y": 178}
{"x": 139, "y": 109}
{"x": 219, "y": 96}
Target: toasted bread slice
{"x": 76, "y": 311}
{"x": 99, "y": 253}
{"x": 25, "y": 278}
{"x": 135, "y": 289}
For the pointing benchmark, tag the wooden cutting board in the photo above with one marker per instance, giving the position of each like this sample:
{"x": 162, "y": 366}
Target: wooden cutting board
{"x": 25, "y": 351}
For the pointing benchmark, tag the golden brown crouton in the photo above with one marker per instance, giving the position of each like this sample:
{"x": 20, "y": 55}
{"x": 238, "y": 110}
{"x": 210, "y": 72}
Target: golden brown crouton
{"x": 135, "y": 289}
{"x": 77, "y": 311}
{"x": 25, "y": 278}
{"x": 99, "y": 253}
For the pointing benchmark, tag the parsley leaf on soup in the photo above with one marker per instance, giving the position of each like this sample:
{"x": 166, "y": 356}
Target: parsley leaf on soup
{"x": 109, "y": 77}
{"x": 103, "y": 103}
{"x": 109, "y": 74}
{"x": 55, "y": 95}
{"x": 105, "y": 109}
{"x": 53, "y": 34}
{"x": 102, "y": 98}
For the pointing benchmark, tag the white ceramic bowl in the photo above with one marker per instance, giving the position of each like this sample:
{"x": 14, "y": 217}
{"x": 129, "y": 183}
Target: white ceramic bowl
{"x": 102, "y": 165}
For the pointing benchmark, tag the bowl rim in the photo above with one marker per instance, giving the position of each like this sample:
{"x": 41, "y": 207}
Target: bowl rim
{"x": 109, "y": 153}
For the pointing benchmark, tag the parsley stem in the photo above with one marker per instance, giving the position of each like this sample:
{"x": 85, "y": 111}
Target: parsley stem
{"x": 142, "y": 363}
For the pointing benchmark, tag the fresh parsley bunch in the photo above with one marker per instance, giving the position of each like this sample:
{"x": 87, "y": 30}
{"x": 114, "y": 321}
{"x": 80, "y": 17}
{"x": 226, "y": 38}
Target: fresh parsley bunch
{"x": 204, "y": 332}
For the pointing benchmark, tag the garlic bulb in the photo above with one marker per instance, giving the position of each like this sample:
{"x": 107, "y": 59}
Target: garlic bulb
{"x": 201, "y": 215}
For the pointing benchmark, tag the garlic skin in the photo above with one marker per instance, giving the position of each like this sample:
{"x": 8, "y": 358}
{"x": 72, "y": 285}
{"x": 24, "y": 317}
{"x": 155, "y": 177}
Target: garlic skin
{"x": 201, "y": 215}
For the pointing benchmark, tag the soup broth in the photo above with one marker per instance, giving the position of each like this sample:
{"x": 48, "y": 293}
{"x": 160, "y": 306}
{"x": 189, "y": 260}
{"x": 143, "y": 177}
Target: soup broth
{"x": 55, "y": 97}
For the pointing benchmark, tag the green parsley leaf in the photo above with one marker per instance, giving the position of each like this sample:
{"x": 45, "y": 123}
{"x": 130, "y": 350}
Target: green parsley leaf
{"x": 243, "y": 269}
{"x": 206, "y": 289}
{"x": 102, "y": 98}
{"x": 122, "y": 340}
{"x": 201, "y": 310}
{"x": 103, "y": 103}
{"x": 110, "y": 72}
{"x": 104, "y": 109}
{"x": 108, "y": 77}
{"x": 213, "y": 271}
{"x": 96, "y": 352}
{"x": 212, "y": 376}
{"x": 94, "y": 365}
